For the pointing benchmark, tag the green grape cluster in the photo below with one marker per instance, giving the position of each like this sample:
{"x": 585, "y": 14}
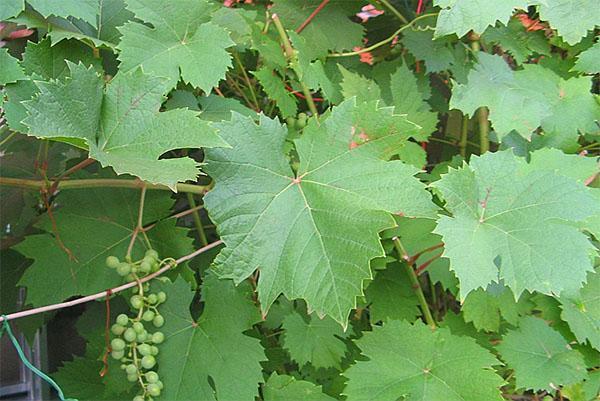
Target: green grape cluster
{"x": 134, "y": 345}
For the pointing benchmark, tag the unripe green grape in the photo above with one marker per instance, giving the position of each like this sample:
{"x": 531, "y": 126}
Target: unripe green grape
{"x": 152, "y": 298}
{"x": 134, "y": 269}
{"x": 132, "y": 378}
{"x": 117, "y": 354}
{"x": 138, "y": 398}
{"x": 162, "y": 296}
{"x": 160, "y": 384}
{"x": 117, "y": 329}
{"x": 112, "y": 262}
{"x": 158, "y": 321}
{"x": 148, "y": 362}
{"x": 130, "y": 277}
{"x": 138, "y": 327}
{"x": 122, "y": 319}
{"x": 154, "y": 350}
{"x": 144, "y": 349}
{"x": 117, "y": 344}
{"x": 141, "y": 337}
{"x": 123, "y": 269}
{"x": 145, "y": 266}
{"x": 129, "y": 335}
{"x": 136, "y": 301}
{"x": 155, "y": 266}
{"x": 135, "y": 290}
{"x": 153, "y": 389}
{"x": 152, "y": 377}
{"x": 148, "y": 315}
{"x": 302, "y": 119}
{"x": 131, "y": 369}
{"x": 151, "y": 253}
{"x": 158, "y": 337}
{"x": 146, "y": 287}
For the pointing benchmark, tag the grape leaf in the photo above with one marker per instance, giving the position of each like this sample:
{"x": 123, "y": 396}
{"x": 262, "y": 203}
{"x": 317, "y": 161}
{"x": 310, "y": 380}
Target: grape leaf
{"x": 121, "y": 125}
{"x": 487, "y": 308}
{"x": 413, "y": 362}
{"x": 287, "y": 388}
{"x": 513, "y": 222}
{"x": 86, "y": 10}
{"x": 319, "y": 32}
{"x": 461, "y": 16}
{"x": 581, "y": 310}
{"x": 436, "y": 54}
{"x": 391, "y": 296}
{"x": 212, "y": 349}
{"x": 94, "y": 224}
{"x": 589, "y": 60}
{"x": 313, "y": 340}
{"x": 274, "y": 87}
{"x": 313, "y": 233}
{"x": 571, "y": 18}
{"x": 526, "y": 99}
{"x": 182, "y": 42}
{"x": 10, "y": 70}
{"x": 11, "y": 8}
{"x": 541, "y": 358}
{"x": 517, "y": 40}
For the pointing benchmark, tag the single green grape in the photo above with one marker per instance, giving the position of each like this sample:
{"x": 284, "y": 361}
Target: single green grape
{"x": 129, "y": 335}
{"x": 152, "y": 377}
{"x": 155, "y": 266}
{"x": 162, "y": 296}
{"x": 154, "y": 350}
{"x": 158, "y": 321}
{"x": 158, "y": 337}
{"x": 145, "y": 266}
{"x": 134, "y": 269}
{"x": 112, "y": 262}
{"x": 132, "y": 378}
{"x": 148, "y": 316}
{"x": 152, "y": 298}
{"x": 152, "y": 254}
{"x": 123, "y": 269}
{"x": 141, "y": 337}
{"x": 122, "y": 319}
{"x": 136, "y": 301}
{"x": 138, "y": 398}
{"x": 117, "y": 354}
{"x": 117, "y": 329}
{"x": 117, "y": 344}
{"x": 160, "y": 384}
{"x": 144, "y": 349}
{"x": 148, "y": 362}
{"x": 153, "y": 389}
{"x": 131, "y": 369}
{"x": 138, "y": 327}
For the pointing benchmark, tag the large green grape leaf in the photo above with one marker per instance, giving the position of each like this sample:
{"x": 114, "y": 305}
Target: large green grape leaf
{"x": 541, "y": 358}
{"x": 391, "y": 297}
{"x": 11, "y": 8}
{"x": 121, "y": 125}
{"x": 527, "y": 99}
{"x": 313, "y": 340}
{"x": 182, "y": 42}
{"x": 311, "y": 233}
{"x": 513, "y": 222}
{"x": 320, "y": 33}
{"x": 581, "y": 310}
{"x": 94, "y": 224}
{"x": 487, "y": 308}
{"x": 412, "y": 362}
{"x": 589, "y": 60}
{"x": 210, "y": 358}
{"x": 571, "y": 18}
{"x": 462, "y": 16}
{"x": 10, "y": 70}
{"x": 287, "y": 388}
{"x": 86, "y": 10}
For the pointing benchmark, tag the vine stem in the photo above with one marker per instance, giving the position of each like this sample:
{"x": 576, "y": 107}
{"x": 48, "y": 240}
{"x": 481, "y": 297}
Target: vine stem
{"x": 312, "y": 16}
{"x": 402, "y": 257}
{"x": 139, "y": 227}
{"x": 197, "y": 220}
{"x": 289, "y": 53}
{"x": 101, "y": 183}
{"x": 238, "y": 60}
{"x": 103, "y": 294}
{"x": 462, "y": 146}
{"x": 385, "y": 41}
{"x": 484, "y": 129}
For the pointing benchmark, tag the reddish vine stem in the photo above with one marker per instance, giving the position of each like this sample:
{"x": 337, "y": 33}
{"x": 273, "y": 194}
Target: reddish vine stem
{"x": 108, "y": 349}
{"x": 424, "y": 266}
{"x": 115, "y": 290}
{"x": 312, "y": 16}
{"x": 67, "y": 173}
{"x": 416, "y": 256}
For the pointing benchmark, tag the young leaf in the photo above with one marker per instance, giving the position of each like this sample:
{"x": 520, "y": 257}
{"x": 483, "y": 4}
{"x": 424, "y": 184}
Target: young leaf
{"x": 182, "y": 42}
{"x": 212, "y": 349}
{"x": 517, "y": 40}
{"x": 287, "y": 388}
{"x": 540, "y": 356}
{"x": 413, "y": 362}
{"x": 316, "y": 341}
{"x": 121, "y": 125}
{"x": 312, "y": 233}
{"x": 514, "y": 222}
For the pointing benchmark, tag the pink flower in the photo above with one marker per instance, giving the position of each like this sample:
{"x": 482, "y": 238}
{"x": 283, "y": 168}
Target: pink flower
{"x": 368, "y": 11}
